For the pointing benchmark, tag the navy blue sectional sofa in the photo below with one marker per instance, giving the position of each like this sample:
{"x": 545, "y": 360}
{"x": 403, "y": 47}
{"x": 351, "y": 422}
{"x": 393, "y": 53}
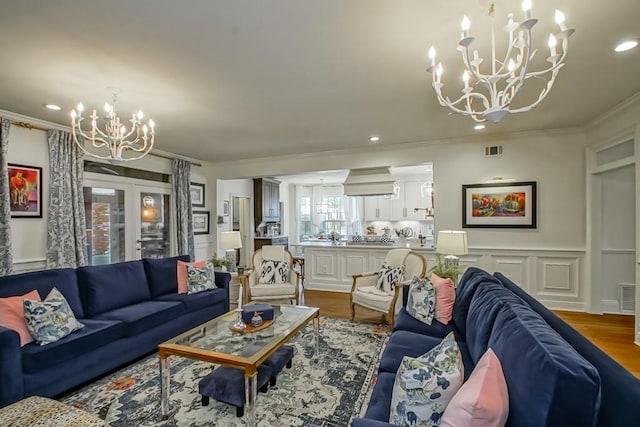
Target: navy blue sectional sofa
{"x": 127, "y": 309}
{"x": 555, "y": 377}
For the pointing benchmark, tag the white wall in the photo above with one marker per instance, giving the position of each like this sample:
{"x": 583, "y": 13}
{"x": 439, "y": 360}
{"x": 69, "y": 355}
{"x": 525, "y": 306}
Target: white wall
{"x": 29, "y": 235}
{"x": 554, "y": 160}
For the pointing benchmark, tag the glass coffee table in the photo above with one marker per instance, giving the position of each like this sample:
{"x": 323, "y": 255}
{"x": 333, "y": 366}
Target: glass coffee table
{"x": 215, "y": 342}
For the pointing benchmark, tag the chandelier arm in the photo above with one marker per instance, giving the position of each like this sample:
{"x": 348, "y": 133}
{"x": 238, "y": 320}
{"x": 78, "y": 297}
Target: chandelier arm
{"x": 97, "y": 142}
{"x": 542, "y": 95}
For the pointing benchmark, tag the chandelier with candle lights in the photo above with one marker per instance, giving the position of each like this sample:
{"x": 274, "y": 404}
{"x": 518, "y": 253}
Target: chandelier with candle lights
{"x": 489, "y": 96}
{"x": 116, "y": 140}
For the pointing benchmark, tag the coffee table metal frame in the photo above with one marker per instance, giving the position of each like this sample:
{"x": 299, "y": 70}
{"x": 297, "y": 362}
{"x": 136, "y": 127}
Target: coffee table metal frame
{"x": 207, "y": 343}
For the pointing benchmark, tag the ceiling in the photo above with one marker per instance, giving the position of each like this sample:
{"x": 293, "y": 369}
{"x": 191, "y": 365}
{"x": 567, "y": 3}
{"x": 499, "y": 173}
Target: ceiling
{"x": 228, "y": 80}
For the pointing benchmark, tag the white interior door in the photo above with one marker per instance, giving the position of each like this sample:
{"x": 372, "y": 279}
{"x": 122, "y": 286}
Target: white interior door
{"x": 127, "y": 219}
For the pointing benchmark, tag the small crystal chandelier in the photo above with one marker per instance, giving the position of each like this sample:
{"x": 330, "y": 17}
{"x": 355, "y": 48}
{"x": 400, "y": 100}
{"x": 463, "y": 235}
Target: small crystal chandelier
{"x": 488, "y": 96}
{"x": 115, "y": 139}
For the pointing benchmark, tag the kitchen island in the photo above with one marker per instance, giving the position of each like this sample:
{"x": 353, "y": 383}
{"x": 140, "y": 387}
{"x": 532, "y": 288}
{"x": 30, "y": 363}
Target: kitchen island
{"x": 330, "y": 267}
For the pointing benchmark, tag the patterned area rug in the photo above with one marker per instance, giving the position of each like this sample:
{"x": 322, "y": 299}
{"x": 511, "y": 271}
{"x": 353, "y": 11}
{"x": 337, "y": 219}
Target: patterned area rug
{"x": 327, "y": 391}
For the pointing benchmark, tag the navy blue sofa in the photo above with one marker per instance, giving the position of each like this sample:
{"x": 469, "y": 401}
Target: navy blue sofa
{"x": 127, "y": 309}
{"x": 555, "y": 377}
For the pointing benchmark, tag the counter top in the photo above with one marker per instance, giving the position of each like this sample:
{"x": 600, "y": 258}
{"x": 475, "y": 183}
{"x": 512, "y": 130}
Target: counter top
{"x": 268, "y": 237}
{"x": 343, "y": 245}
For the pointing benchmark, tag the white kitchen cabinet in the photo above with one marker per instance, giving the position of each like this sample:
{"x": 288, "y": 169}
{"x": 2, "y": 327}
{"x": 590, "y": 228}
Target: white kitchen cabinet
{"x": 377, "y": 208}
{"x": 409, "y": 198}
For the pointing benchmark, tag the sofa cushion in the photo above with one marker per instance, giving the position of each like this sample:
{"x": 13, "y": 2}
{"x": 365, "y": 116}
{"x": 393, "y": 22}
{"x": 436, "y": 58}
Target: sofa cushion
{"x": 141, "y": 317}
{"x": 482, "y": 401}
{"x": 425, "y": 385}
{"x": 380, "y": 402}
{"x": 197, "y": 301}
{"x": 43, "y": 281}
{"x": 162, "y": 274}
{"x": 12, "y": 315}
{"x": 107, "y": 287}
{"x": 472, "y": 279}
{"x": 50, "y": 320}
{"x": 486, "y": 303}
{"x": 94, "y": 334}
{"x": 549, "y": 383}
{"x": 404, "y": 343}
{"x": 405, "y": 322}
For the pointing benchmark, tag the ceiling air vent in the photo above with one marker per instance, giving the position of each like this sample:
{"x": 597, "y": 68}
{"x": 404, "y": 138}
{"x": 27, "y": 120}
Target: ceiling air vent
{"x": 627, "y": 298}
{"x": 493, "y": 150}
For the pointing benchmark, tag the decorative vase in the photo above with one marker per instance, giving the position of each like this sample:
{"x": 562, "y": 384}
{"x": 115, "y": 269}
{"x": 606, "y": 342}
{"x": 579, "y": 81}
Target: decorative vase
{"x": 256, "y": 320}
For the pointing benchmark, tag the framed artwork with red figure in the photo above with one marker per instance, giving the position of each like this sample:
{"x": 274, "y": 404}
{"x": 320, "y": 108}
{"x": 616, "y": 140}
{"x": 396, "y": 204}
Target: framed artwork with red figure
{"x": 25, "y": 191}
{"x": 500, "y": 205}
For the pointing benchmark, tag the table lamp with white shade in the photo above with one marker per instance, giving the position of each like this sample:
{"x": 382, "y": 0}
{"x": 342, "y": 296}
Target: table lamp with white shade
{"x": 452, "y": 243}
{"x": 230, "y": 241}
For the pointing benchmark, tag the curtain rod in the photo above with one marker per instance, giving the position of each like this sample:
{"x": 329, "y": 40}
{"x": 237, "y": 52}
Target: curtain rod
{"x": 30, "y": 126}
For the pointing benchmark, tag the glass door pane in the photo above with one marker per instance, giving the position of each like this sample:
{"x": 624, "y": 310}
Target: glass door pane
{"x": 105, "y": 216}
{"x": 155, "y": 225}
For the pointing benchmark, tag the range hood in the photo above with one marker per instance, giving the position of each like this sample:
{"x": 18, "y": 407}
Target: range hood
{"x": 368, "y": 182}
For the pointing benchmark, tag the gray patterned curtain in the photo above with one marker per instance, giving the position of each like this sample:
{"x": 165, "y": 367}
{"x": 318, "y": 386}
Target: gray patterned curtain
{"x": 181, "y": 180}
{"x": 6, "y": 257}
{"x": 66, "y": 238}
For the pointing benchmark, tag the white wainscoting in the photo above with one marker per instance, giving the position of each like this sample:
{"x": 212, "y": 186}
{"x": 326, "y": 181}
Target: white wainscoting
{"x": 24, "y": 265}
{"x": 553, "y": 276}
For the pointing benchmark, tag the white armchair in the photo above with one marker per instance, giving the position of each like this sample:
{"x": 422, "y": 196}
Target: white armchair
{"x": 365, "y": 293}
{"x": 272, "y": 291}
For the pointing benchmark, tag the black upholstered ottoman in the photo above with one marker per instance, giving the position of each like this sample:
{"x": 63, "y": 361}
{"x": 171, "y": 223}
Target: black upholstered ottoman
{"x": 278, "y": 360}
{"x": 227, "y": 385}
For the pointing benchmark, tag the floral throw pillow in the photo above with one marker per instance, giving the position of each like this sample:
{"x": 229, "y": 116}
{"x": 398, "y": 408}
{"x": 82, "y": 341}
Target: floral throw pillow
{"x": 424, "y": 386}
{"x": 389, "y": 277}
{"x": 200, "y": 279}
{"x": 421, "y": 303}
{"x": 51, "y": 319}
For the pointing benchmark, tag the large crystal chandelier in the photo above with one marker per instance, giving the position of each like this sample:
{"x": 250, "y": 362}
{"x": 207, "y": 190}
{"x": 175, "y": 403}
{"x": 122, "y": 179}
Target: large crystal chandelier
{"x": 115, "y": 138}
{"x": 488, "y": 96}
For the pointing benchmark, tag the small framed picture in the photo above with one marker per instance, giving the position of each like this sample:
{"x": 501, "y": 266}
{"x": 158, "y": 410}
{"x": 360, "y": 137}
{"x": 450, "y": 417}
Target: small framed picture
{"x": 25, "y": 191}
{"x": 197, "y": 195}
{"x": 200, "y": 222}
{"x": 502, "y": 205}
{"x": 225, "y": 208}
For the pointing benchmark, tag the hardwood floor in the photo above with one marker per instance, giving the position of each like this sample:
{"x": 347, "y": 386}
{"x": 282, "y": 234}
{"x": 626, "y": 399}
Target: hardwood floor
{"x": 613, "y": 334}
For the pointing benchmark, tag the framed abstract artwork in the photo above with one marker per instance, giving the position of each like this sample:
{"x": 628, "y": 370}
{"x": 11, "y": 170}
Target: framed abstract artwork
{"x": 25, "y": 191}
{"x": 197, "y": 194}
{"x": 200, "y": 222}
{"x": 499, "y": 205}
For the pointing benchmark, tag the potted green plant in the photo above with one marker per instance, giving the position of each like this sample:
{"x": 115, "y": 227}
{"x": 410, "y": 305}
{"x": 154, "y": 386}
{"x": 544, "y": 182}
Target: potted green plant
{"x": 450, "y": 272}
{"x": 219, "y": 264}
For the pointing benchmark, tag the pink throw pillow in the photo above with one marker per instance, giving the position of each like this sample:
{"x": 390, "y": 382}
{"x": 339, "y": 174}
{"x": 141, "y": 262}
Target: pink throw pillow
{"x": 445, "y": 297}
{"x": 482, "y": 401}
{"x": 182, "y": 274}
{"x": 12, "y": 315}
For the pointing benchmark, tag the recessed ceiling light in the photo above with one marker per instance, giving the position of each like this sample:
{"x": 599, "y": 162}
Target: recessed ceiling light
{"x": 53, "y": 107}
{"x": 626, "y": 45}
{"x": 479, "y": 127}
{"x": 374, "y": 138}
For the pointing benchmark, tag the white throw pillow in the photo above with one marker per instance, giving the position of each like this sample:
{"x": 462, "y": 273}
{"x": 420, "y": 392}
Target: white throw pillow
{"x": 421, "y": 303}
{"x": 282, "y": 272}
{"x": 389, "y": 277}
{"x": 268, "y": 272}
{"x": 424, "y": 386}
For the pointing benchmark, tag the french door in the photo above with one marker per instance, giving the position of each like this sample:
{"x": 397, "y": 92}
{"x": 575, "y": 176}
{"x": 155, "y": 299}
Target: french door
{"x": 127, "y": 219}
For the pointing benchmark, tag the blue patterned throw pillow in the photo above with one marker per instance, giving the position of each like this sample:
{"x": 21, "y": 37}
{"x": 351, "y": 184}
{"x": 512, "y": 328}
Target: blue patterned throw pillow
{"x": 51, "y": 319}
{"x": 425, "y": 385}
{"x": 389, "y": 277}
{"x": 421, "y": 303}
{"x": 200, "y": 279}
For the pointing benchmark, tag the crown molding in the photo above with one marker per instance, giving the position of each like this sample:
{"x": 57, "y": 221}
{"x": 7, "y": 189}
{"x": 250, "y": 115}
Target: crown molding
{"x": 627, "y": 103}
{"x": 32, "y": 120}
